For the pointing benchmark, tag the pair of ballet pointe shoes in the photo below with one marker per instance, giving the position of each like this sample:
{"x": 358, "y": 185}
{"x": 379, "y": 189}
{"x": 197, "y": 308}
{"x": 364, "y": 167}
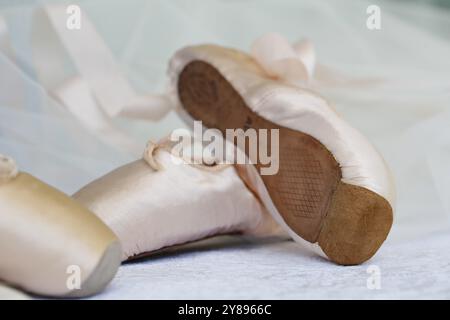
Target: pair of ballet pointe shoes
{"x": 332, "y": 191}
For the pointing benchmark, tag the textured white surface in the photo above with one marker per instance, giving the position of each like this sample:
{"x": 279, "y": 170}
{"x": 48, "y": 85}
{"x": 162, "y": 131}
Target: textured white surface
{"x": 245, "y": 269}
{"x": 7, "y": 293}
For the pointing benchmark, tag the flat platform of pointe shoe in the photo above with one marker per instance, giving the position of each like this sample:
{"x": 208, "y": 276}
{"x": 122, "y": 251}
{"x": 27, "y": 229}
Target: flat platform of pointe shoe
{"x": 51, "y": 245}
{"x": 333, "y": 189}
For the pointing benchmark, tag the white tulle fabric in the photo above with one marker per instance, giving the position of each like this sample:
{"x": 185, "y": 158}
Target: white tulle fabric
{"x": 151, "y": 209}
{"x": 277, "y": 100}
{"x": 294, "y": 64}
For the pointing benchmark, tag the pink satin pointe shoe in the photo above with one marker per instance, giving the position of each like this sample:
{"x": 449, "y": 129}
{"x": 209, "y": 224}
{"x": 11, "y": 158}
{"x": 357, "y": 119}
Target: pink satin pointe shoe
{"x": 51, "y": 245}
{"x": 333, "y": 191}
{"x": 163, "y": 200}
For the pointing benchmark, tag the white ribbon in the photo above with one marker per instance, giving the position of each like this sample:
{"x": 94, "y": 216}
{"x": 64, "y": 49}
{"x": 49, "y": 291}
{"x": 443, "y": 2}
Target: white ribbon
{"x": 293, "y": 64}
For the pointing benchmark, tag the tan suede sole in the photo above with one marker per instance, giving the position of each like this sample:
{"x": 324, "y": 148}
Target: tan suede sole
{"x": 349, "y": 222}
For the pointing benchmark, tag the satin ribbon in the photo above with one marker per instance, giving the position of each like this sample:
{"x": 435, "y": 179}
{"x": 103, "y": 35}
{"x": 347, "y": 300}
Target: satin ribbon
{"x": 293, "y": 64}
{"x": 94, "y": 62}
{"x": 99, "y": 92}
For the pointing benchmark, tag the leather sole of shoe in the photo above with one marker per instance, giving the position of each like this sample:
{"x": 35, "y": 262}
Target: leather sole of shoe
{"x": 348, "y": 222}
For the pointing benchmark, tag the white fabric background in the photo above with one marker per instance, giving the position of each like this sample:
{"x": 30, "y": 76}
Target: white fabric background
{"x": 406, "y": 114}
